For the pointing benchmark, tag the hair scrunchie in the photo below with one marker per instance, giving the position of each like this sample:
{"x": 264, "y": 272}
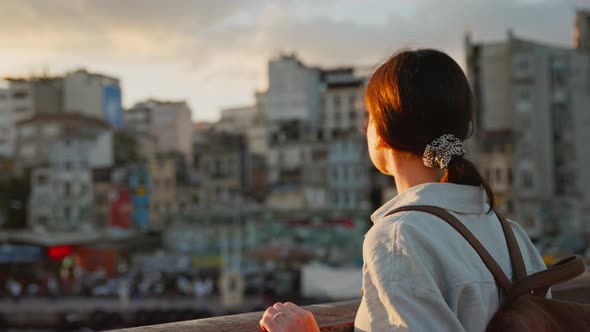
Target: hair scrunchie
{"x": 439, "y": 152}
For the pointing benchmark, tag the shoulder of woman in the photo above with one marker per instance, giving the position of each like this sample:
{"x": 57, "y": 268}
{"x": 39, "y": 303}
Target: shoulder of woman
{"x": 398, "y": 231}
{"x": 398, "y": 248}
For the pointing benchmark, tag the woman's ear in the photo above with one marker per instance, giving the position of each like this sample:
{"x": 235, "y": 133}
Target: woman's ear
{"x": 380, "y": 143}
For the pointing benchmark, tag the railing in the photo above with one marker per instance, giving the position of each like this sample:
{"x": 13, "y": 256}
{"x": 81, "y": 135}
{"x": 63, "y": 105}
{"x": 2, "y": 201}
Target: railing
{"x": 333, "y": 317}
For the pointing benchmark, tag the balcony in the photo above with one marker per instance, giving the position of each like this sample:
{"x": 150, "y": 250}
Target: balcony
{"x": 334, "y": 317}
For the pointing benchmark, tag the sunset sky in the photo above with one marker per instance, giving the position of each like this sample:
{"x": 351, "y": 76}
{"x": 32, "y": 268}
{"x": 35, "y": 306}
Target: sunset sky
{"x": 214, "y": 54}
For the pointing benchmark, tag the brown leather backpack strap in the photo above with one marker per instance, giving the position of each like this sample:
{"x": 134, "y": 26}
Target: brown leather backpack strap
{"x": 488, "y": 260}
{"x": 518, "y": 267}
{"x": 563, "y": 270}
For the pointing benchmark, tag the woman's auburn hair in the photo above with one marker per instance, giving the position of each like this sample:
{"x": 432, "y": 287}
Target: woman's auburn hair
{"x": 415, "y": 97}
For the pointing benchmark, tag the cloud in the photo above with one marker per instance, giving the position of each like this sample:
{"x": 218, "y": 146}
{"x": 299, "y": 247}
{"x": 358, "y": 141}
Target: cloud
{"x": 227, "y": 43}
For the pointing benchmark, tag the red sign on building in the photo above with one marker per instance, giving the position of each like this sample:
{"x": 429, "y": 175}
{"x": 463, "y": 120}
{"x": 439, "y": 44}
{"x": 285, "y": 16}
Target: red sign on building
{"x": 121, "y": 208}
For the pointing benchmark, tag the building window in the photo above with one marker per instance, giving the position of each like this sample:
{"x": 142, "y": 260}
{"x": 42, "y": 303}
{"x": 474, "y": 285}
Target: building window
{"x": 21, "y": 94}
{"x": 527, "y": 180}
{"x": 28, "y": 151}
{"x": 27, "y": 131}
{"x": 67, "y": 212}
{"x": 523, "y": 64}
{"x": 51, "y": 130}
{"x": 67, "y": 189}
{"x": 509, "y": 176}
{"x": 42, "y": 179}
{"x": 337, "y": 117}
{"x": 42, "y": 220}
{"x": 352, "y": 101}
{"x": 336, "y": 102}
{"x": 21, "y": 109}
{"x": 498, "y": 175}
{"x": 524, "y": 94}
{"x": 68, "y": 165}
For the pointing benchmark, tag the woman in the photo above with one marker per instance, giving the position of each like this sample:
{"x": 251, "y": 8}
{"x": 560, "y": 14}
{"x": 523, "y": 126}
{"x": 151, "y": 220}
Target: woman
{"x": 419, "y": 274}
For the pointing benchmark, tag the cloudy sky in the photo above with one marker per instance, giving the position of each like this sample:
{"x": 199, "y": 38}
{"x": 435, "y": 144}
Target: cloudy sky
{"x": 214, "y": 53}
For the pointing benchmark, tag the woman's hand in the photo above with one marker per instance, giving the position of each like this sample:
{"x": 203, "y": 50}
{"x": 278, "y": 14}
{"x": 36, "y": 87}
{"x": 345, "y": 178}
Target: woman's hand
{"x": 288, "y": 317}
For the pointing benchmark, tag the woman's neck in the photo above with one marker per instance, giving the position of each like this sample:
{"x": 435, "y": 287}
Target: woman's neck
{"x": 411, "y": 172}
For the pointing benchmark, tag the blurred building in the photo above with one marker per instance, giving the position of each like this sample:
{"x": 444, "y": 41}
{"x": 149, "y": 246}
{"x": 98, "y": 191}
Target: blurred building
{"x": 582, "y": 31}
{"x": 236, "y": 120}
{"x": 170, "y": 121}
{"x": 530, "y": 132}
{"x": 313, "y": 117}
{"x": 294, "y": 91}
{"x": 94, "y": 95}
{"x": 62, "y": 193}
{"x": 248, "y": 121}
{"x": 132, "y": 187}
{"x": 23, "y": 99}
{"x": 6, "y": 125}
{"x": 258, "y": 178}
{"x": 224, "y": 169}
{"x": 342, "y": 111}
{"x": 103, "y": 191}
{"x": 162, "y": 172}
{"x": 297, "y": 168}
{"x": 36, "y": 136}
{"x": 349, "y": 168}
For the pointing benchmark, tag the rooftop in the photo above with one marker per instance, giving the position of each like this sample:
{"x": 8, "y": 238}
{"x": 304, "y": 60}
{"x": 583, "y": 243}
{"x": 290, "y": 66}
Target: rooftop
{"x": 65, "y": 117}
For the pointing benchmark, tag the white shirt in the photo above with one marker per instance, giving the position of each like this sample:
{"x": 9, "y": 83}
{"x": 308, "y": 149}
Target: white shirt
{"x": 419, "y": 274}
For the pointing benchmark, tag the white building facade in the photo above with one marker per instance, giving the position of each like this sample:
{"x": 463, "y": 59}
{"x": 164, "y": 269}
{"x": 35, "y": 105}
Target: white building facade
{"x": 95, "y": 95}
{"x": 171, "y": 122}
{"x": 36, "y": 136}
{"x": 62, "y": 193}
{"x": 531, "y": 125}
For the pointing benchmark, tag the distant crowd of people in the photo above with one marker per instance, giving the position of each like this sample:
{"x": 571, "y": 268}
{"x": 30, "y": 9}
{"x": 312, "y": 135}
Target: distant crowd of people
{"x": 125, "y": 286}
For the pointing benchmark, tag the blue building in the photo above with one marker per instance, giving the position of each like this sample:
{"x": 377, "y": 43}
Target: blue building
{"x": 137, "y": 179}
{"x": 140, "y": 188}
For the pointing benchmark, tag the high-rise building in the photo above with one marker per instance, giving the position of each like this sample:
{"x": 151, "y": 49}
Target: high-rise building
{"x": 348, "y": 173}
{"x": 248, "y": 121}
{"x": 342, "y": 111}
{"x": 62, "y": 193}
{"x": 294, "y": 91}
{"x": 531, "y": 126}
{"x": 163, "y": 196}
{"x": 223, "y": 167}
{"x": 80, "y": 92}
{"x": 95, "y": 95}
{"x": 21, "y": 100}
{"x": 171, "y": 122}
{"x": 35, "y": 137}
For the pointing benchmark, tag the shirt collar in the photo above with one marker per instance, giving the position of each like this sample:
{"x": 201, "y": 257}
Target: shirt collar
{"x": 453, "y": 197}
